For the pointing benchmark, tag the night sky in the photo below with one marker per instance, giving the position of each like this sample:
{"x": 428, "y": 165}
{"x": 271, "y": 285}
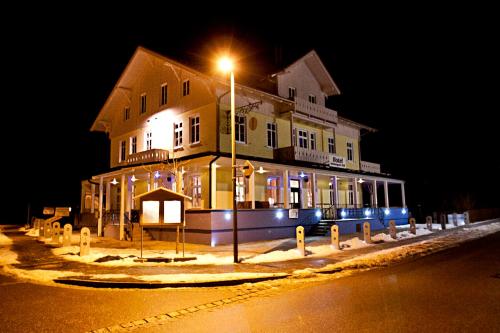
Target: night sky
{"x": 425, "y": 77}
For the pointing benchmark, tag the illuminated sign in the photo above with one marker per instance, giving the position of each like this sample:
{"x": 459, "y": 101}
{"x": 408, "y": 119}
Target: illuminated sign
{"x": 48, "y": 210}
{"x": 336, "y": 161}
{"x": 62, "y": 211}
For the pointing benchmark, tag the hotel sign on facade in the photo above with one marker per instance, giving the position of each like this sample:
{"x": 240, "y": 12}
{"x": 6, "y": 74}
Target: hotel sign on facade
{"x": 336, "y": 161}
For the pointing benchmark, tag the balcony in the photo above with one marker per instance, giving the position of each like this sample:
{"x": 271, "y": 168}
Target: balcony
{"x": 294, "y": 153}
{"x": 370, "y": 167}
{"x": 314, "y": 112}
{"x": 147, "y": 156}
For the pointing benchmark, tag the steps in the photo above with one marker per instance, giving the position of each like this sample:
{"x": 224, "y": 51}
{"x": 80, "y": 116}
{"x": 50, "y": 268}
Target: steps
{"x": 322, "y": 228}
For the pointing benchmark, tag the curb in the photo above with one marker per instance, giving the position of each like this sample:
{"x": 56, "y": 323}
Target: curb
{"x": 155, "y": 285}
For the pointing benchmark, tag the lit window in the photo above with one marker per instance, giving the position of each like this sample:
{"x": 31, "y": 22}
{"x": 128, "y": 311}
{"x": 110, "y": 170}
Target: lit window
{"x": 178, "y": 135}
{"x": 143, "y": 104}
{"x": 312, "y": 99}
{"x": 164, "y": 94}
{"x": 240, "y": 188}
{"x": 185, "y": 88}
{"x": 292, "y": 93}
{"x": 195, "y": 129}
{"x": 196, "y": 191}
{"x": 240, "y": 124}
{"x": 149, "y": 140}
{"x": 303, "y": 139}
{"x": 272, "y": 191}
{"x": 133, "y": 145}
{"x": 350, "y": 151}
{"x": 350, "y": 195}
{"x": 271, "y": 135}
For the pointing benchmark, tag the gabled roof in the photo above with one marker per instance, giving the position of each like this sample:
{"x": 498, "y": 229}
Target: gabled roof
{"x": 318, "y": 69}
{"x": 140, "y": 56}
{"x": 165, "y": 191}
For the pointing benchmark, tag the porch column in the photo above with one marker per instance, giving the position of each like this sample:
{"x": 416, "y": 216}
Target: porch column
{"x": 355, "y": 188}
{"x": 386, "y": 194}
{"x": 303, "y": 192}
{"x": 92, "y": 195}
{"x": 403, "y": 198}
{"x": 128, "y": 202}
{"x": 213, "y": 187}
{"x": 314, "y": 189}
{"x": 292, "y": 142}
{"x": 251, "y": 189}
{"x": 99, "y": 220}
{"x": 151, "y": 184}
{"x": 122, "y": 206}
{"x": 375, "y": 198}
{"x": 286, "y": 195}
{"x": 108, "y": 196}
{"x": 335, "y": 190}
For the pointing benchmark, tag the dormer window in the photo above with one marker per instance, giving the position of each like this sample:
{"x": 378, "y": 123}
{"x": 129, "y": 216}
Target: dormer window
{"x": 185, "y": 88}
{"x": 164, "y": 94}
{"x": 312, "y": 99}
{"x": 143, "y": 104}
{"x": 292, "y": 92}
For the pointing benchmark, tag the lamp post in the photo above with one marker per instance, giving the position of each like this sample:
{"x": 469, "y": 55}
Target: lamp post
{"x": 226, "y": 65}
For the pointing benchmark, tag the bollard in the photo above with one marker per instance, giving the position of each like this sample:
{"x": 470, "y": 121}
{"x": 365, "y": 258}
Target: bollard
{"x": 443, "y": 221}
{"x": 67, "y": 232}
{"x": 301, "y": 246}
{"x": 466, "y": 218}
{"x": 84, "y": 241}
{"x": 366, "y": 233}
{"x": 413, "y": 228}
{"x": 455, "y": 219}
{"x": 335, "y": 237}
{"x": 392, "y": 229}
{"x": 56, "y": 231}
{"x": 47, "y": 230}
{"x": 428, "y": 221}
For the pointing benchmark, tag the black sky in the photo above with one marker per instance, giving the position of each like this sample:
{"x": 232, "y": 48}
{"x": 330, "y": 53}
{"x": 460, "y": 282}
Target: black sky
{"x": 426, "y": 77}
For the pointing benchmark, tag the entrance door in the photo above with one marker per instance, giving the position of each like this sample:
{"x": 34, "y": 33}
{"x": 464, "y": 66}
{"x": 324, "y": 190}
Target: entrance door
{"x": 294, "y": 193}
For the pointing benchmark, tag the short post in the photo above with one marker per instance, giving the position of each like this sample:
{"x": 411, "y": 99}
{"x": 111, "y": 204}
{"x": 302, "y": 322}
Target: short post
{"x": 47, "y": 230}
{"x": 335, "y": 237}
{"x": 67, "y": 232}
{"x": 56, "y": 232}
{"x": 84, "y": 241}
{"x": 392, "y": 229}
{"x": 466, "y": 218}
{"x": 301, "y": 246}
{"x": 443, "y": 221}
{"x": 428, "y": 221}
{"x": 41, "y": 232}
{"x": 367, "y": 233}
{"x": 455, "y": 219}
{"x": 413, "y": 228}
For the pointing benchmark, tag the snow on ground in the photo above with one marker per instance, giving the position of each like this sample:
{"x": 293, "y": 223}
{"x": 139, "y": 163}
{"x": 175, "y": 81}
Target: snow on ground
{"x": 38, "y": 275}
{"x": 33, "y": 232}
{"x": 179, "y": 278}
{"x": 4, "y": 240}
{"x": 7, "y": 257}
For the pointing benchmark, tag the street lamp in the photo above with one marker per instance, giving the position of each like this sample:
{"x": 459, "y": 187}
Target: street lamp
{"x": 226, "y": 65}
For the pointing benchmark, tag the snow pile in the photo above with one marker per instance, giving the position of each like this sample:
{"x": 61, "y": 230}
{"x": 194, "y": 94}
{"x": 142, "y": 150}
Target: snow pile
{"x": 33, "y": 232}
{"x": 4, "y": 240}
{"x": 353, "y": 243}
{"x": 39, "y": 275}
{"x": 383, "y": 238}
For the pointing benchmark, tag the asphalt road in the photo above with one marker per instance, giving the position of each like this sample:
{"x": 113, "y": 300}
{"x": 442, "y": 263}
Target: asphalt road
{"x": 451, "y": 291}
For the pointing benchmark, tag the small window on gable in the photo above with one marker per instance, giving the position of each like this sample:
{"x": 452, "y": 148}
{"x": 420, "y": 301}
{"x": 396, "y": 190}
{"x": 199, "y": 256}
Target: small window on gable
{"x": 164, "y": 94}
{"x": 126, "y": 113}
{"x": 312, "y": 99}
{"x": 143, "y": 103}
{"x": 292, "y": 93}
{"x": 185, "y": 88}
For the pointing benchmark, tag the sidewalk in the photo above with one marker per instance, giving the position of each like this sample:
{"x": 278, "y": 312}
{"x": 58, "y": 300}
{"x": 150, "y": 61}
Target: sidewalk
{"x": 260, "y": 260}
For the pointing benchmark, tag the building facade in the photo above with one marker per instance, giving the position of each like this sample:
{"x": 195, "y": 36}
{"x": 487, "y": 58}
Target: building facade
{"x": 169, "y": 126}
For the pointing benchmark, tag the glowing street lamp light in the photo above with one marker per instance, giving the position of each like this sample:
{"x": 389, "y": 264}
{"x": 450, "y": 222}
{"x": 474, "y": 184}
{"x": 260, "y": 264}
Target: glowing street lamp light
{"x": 226, "y": 65}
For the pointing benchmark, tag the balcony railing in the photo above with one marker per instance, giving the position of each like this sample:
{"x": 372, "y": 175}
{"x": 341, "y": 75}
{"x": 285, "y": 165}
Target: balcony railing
{"x": 147, "y": 156}
{"x": 315, "y": 111}
{"x": 294, "y": 153}
{"x": 370, "y": 167}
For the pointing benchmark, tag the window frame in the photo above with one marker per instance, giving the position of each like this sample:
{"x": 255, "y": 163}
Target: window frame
{"x": 240, "y": 127}
{"x": 126, "y": 113}
{"x": 178, "y": 132}
{"x": 350, "y": 151}
{"x": 312, "y": 99}
{"x": 164, "y": 94}
{"x": 272, "y": 135}
{"x": 292, "y": 93}
{"x": 302, "y": 140}
{"x": 331, "y": 145}
{"x": 143, "y": 106}
{"x": 186, "y": 88}
{"x": 194, "y": 129}
{"x": 312, "y": 141}
{"x": 133, "y": 145}
{"x": 122, "y": 154}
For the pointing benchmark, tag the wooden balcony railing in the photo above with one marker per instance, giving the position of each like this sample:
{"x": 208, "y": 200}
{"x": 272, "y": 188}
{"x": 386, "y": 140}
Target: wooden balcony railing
{"x": 147, "y": 156}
